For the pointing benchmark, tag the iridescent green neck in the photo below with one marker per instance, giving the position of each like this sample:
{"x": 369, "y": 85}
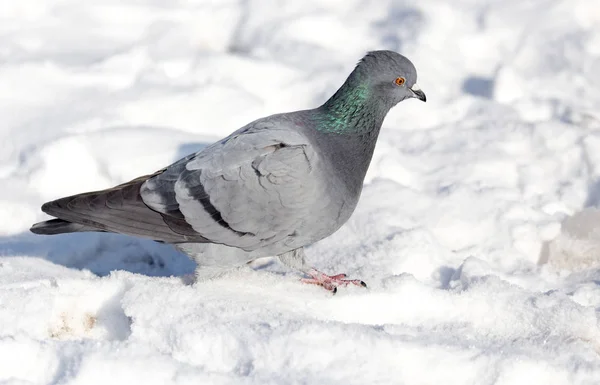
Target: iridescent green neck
{"x": 352, "y": 109}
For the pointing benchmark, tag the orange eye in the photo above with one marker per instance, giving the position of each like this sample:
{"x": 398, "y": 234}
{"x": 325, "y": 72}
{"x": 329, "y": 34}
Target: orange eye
{"x": 400, "y": 81}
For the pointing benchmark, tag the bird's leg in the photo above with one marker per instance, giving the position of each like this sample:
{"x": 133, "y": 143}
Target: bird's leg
{"x": 295, "y": 259}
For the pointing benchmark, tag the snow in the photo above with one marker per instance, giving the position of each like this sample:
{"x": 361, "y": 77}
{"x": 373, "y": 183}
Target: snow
{"x": 478, "y": 230}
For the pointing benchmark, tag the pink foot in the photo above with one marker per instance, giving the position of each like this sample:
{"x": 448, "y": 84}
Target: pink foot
{"x": 331, "y": 282}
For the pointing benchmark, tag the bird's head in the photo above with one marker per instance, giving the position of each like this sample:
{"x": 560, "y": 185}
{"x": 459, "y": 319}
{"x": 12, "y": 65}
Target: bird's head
{"x": 390, "y": 76}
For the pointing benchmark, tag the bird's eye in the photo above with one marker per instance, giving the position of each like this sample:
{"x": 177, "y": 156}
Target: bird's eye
{"x": 400, "y": 81}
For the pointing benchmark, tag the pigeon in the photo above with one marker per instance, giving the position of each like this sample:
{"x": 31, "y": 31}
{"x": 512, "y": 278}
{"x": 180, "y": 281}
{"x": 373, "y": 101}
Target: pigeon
{"x": 274, "y": 186}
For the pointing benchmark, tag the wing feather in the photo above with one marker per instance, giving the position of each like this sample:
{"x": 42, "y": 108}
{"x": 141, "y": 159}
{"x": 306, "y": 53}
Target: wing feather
{"x": 249, "y": 190}
{"x": 121, "y": 210}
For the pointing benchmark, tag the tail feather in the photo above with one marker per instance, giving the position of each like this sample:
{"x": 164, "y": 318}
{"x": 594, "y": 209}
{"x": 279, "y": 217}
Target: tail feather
{"x": 119, "y": 210}
{"x": 59, "y": 226}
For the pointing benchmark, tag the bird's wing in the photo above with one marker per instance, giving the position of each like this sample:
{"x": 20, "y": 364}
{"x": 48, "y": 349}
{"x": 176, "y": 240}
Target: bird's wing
{"x": 249, "y": 190}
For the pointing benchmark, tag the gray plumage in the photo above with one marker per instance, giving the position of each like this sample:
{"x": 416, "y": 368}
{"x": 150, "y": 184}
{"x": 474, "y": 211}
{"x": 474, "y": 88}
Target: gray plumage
{"x": 279, "y": 183}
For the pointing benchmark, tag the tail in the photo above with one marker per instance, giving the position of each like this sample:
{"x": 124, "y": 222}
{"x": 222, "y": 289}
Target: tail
{"x": 59, "y": 226}
{"x": 118, "y": 210}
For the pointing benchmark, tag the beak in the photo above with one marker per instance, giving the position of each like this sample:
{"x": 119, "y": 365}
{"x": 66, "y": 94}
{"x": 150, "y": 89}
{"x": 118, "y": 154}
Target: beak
{"x": 418, "y": 93}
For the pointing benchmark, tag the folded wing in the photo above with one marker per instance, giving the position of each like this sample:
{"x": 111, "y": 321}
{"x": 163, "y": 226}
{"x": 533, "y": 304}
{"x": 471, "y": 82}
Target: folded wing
{"x": 250, "y": 190}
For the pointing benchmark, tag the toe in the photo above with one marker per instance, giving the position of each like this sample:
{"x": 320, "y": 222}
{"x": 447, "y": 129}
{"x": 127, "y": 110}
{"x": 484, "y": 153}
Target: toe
{"x": 338, "y": 276}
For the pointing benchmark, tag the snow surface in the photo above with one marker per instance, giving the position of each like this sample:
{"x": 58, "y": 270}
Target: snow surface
{"x": 458, "y": 232}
